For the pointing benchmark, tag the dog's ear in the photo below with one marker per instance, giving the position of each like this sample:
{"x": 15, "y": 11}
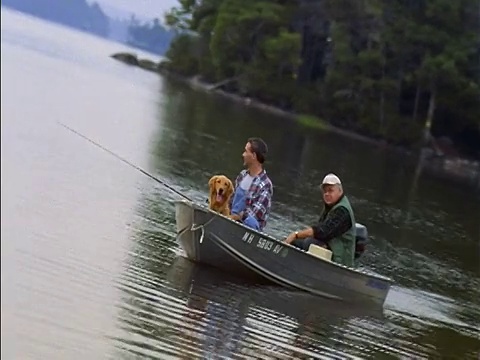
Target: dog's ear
{"x": 230, "y": 188}
{"x": 211, "y": 182}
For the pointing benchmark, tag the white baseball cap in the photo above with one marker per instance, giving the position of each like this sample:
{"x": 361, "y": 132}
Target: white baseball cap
{"x": 331, "y": 179}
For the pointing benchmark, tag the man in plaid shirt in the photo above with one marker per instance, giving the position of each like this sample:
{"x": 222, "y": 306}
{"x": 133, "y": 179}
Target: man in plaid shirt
{"x": 252, "y": 199}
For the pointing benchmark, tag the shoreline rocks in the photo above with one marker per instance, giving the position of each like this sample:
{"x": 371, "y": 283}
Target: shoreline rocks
{"x": 134, "y": 60}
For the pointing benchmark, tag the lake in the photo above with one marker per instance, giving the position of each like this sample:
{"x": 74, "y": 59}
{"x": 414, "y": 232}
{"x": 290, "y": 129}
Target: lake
{"x": 90, "y": 267}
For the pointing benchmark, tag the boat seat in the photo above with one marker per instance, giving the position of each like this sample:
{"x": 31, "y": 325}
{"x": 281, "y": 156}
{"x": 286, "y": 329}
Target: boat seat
{"x": 361, "y": 240}
{"x": 320, "y": 252}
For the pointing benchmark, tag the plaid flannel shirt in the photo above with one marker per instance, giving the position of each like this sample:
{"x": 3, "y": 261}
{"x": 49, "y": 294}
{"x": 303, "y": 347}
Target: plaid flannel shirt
{"x": 259, "y": 196}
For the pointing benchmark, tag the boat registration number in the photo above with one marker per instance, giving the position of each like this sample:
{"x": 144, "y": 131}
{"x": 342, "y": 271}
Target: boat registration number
{"x": 262, "y": 243}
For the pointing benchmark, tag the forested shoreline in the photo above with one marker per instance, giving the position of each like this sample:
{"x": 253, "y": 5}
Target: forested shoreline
{"x": 395, "y": 70}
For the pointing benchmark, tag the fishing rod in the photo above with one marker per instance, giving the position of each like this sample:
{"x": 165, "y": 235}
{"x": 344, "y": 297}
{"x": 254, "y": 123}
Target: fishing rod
{"x": 169, "y": 187}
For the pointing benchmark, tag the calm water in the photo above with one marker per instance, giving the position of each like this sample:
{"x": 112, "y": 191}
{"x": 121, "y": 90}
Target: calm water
{"x": 89, "y": 262}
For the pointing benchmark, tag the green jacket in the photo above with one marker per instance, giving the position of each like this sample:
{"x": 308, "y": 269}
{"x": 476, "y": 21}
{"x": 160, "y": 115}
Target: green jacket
{"x": 343, "y": 246}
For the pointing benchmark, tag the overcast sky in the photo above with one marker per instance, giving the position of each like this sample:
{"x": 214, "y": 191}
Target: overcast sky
{"x": 142, "y": 8}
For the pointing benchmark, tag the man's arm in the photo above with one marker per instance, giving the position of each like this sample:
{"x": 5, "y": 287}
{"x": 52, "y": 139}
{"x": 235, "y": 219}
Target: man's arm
{"x": 260, "y": 207}
{"x": 337, "y": 223}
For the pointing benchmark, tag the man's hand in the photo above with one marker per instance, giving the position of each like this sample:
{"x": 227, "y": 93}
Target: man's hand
{"x": 236, "y": 217}
{"x": 290, "y": 238}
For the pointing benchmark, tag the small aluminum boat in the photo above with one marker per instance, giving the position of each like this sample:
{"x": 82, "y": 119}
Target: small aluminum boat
{"x": 210, "y": 238}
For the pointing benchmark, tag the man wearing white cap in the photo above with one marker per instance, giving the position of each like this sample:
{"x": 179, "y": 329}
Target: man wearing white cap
{"x": 336, "y": 226}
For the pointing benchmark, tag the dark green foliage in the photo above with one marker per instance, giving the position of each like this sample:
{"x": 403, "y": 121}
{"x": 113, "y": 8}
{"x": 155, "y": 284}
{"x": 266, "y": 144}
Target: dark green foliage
{"x": 396, "y": 69}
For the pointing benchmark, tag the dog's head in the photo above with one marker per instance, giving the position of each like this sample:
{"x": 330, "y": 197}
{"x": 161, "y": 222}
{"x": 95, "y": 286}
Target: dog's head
{"x": 221, "y": 188}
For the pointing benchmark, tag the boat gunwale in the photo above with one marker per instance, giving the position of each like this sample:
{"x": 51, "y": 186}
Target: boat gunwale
{"x": 205, "y": 209}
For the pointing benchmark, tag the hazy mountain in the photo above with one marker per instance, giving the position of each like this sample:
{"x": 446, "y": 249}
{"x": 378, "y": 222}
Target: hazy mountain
{"x": 150, "y": 36}
{"x": 121, "y": 26}
{"x": 119, "y": 14}
{"x": 144, "y": 10}
{"x": 75, "y": 13}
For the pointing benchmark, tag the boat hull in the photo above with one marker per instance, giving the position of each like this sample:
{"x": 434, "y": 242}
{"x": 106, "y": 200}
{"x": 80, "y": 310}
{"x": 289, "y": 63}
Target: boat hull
{"x": 209, "y": 238}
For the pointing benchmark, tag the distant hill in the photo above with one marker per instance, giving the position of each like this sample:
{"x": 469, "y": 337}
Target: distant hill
{"x": 74, "y": 13}
{"x": 147, "y": 35}
{"x": 150, "y": 36}
{"x": 118, "y": 13}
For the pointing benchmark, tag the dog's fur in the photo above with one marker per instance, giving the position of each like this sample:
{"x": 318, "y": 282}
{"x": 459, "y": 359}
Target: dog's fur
{"x": 221, "y": 190}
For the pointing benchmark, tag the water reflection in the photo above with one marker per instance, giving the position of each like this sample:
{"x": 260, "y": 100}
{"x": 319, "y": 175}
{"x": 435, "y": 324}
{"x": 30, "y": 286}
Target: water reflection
{"x": 171, "y": 306}
{"x": 203, "y": 313}
{"x": 407, "y": 214}
{"x": 280, "y": 318}
{"x": 213, "y": 144}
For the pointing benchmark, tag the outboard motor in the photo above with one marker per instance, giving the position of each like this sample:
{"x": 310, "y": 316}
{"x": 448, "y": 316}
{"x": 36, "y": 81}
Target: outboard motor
{"x": 361, "y": 239}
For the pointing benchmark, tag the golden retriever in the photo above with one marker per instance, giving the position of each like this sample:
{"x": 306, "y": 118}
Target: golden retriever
{"x": 221, "y": 190}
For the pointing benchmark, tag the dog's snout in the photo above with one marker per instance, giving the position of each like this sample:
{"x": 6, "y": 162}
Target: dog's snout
{"x": 220, "y": 192}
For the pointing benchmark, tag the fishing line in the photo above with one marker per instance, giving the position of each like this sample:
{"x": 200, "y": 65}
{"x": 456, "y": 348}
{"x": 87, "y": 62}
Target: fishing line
{"x": 169, "y": 187}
